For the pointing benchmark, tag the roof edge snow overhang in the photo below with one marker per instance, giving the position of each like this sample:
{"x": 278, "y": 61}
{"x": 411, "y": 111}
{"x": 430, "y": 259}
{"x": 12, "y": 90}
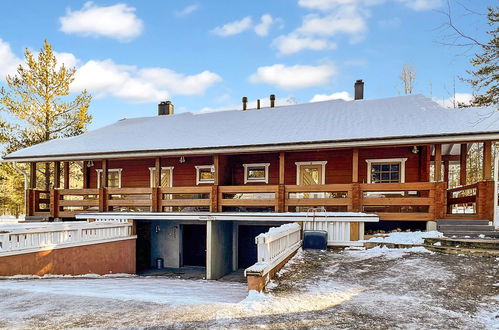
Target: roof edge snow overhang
{"x": 384, "y": 141}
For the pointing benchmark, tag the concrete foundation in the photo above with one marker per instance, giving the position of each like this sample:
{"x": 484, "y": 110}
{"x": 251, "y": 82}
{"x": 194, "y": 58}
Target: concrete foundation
{"x": 219, "y": 244}
{"x": 431, "y": 225}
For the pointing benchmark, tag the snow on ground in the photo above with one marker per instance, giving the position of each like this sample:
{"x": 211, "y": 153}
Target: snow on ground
{"x": 380, "y": 288}
{"x": 414, "y": 238}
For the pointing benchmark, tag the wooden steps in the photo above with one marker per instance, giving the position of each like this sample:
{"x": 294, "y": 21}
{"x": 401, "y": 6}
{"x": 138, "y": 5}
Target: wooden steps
{"x": 466, "y": 228}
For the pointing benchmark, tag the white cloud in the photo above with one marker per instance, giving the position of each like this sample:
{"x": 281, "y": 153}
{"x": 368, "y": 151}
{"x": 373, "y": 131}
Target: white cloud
{"x": 117, "y": 21}
{"x": 347, "y": 20}
{"x": 187, "y": 10}
{"x": 293, "y": 77}
{"x": 234, "y": 27}
{"x": 335, "y": 96}
{"x": 421, "y": 5}
{"x": 178, "y": 83}
{"x": 263, "y": 28}
{"x": 294, "y": 43}
{"x": 453, "y": 101}
{"x": 69, "y": 60}
{"x": 8, "y": 60}
{"x": 326, "y": 5}
{"x": 105, "y": 78}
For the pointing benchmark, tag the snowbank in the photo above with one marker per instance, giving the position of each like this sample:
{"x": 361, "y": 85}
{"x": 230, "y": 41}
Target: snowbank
{"x": 410, "y": 238}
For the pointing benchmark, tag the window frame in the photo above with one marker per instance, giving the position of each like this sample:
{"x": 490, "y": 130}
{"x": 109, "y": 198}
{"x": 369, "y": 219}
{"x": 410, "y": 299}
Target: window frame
{"x": 319, "y": 162}
{"x": 400, "y": 161}
{"x": 256, "y": 180}
{"x": 153, "y": 169}
{"x": 204, "y": 181}
{"x": 99, "y": 173}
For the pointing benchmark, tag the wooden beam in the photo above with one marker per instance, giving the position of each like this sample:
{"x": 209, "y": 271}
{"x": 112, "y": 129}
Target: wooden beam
{"x": 462, "y": 167}
{"x": 424, "y": 164}
{"x": 282, "y": 165}
{"x": 446, "y": 171}
{"x": 32, "y": 175}
{"x": 84, "y": 170}
{"x": 216, "y": 165}
{"x": 57, "y": 175}
{"x": 355, "y": 165}
{"x": 66, "y": 175}
{"x": 438, "y": 163}
{"x": 103, "y": 181}
{"x": 157, "y": 173}
{"x": 487, "y": 160}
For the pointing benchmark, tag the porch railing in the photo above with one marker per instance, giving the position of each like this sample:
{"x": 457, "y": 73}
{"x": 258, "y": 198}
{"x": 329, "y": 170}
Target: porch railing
{"x": 390, "y": 201}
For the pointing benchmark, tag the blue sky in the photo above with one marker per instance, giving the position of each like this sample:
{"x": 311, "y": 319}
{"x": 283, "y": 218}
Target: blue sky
{"x": 206, "y": 55}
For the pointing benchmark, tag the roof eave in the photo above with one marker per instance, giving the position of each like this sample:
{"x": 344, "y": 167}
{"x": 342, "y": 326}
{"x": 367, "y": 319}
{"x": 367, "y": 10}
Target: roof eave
{"x": 382, "y": 141}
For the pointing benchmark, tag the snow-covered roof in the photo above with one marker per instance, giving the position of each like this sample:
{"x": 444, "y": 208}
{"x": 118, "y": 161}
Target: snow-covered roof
{"x": 335, "y": 123}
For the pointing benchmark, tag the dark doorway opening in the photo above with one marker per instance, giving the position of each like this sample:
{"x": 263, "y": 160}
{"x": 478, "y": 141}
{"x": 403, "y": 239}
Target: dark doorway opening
{"x": 194, "y": 245}
{"x": 246, "y": 246}
{"x": 143, "y": 249}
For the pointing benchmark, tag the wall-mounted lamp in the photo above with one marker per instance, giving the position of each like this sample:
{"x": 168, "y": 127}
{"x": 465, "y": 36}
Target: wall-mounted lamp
{"x": 182, "y": 160}
{"x": 90, "y": 163}
{"x": 415, "y": 150}
{"x": 158, "y": 229}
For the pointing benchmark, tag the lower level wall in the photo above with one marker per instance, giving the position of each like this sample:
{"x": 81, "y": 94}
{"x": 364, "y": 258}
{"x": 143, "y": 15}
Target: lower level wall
{"x": 103, "y": 258}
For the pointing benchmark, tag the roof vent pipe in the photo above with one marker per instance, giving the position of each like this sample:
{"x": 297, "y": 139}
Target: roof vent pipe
{"x": 245, "y": 102}
{"x": 258, "y": 104}
{"x": 165, "y": 108}
{"x": 272, "y": 100}
{"x": 359, "y": 89}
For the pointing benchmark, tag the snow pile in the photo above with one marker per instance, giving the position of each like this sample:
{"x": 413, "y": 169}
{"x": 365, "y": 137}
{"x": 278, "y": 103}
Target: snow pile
{"x": 409, "y": 238}
{"x": 383, "y": 251}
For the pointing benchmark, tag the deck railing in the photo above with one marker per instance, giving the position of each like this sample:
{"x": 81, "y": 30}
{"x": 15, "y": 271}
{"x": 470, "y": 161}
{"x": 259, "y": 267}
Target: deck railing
{"x": 390, "y": 201}
{"x": 38, "y": 237}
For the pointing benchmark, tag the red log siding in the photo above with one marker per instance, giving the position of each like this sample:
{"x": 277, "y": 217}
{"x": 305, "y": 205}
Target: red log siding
{"x": 135, "y": 172}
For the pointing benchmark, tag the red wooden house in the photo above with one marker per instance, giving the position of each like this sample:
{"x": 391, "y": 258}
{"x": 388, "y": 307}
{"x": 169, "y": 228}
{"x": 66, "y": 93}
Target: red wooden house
{"x": 371, "y": 156}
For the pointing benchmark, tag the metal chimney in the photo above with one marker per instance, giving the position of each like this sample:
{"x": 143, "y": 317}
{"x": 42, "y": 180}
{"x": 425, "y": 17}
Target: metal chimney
{"x": 245, "y": 102}
{"x": 165, "y": 108}
{"x": 272, "y": 100}
{"x": 359, "y": 89}
{"x": 258, "y": 104}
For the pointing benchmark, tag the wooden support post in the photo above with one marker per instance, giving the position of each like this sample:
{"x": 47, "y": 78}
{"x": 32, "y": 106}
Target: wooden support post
{"x": 32, "y": 175}
{"x": 158, "y": 172}
{"x": 462, "y": 169}
{"x": 66, "y": 175}
{"x": 446, "y": 171}
{"x": 156, "y": 199}
{"x": 438, "y": 163}
{"x": 54, "y": 203}
{"x": 356, "y": 198}
{"x": 103, "y": 181}
{"x": 355, "y": 165}
{"x": 281, "y": 190}
{"x": 487, "y": 160}
{"x": 214, "y": 207}
{"x": 84, "y": 172}
{"x": 439, "y": 196}
{"x": 216, "y": 165}
{"x": 57, "y": 175}
{"x": 102, "y": 200}
{"x": 424, "y": 164}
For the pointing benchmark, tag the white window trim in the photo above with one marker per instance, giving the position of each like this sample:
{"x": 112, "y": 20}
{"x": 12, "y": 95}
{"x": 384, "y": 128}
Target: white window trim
{"x": 386, "y": 160}
{"x": 152, "y": 169}
{"x": 298, "y": 170}
{"x": 99, "y": 171}
{"x": 249, "y": 180}
{"x": 203, "y": 167}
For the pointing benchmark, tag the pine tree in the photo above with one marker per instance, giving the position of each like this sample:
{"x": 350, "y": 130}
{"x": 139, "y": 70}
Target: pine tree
{"x": 485, "y": 77}
{"x": 38, "y": 105}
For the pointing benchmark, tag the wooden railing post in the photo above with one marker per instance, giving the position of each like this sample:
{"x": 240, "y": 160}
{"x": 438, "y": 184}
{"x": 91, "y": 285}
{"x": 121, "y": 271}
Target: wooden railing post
{"x": 485, "y": 200}
{"x": 440, "y": 198}
{"x": 356, "y": 198}
{"x": 281, "y": 198}
{"x": 155, "y": 199}
{"x": 214, "y": 199}
{"x": 102, "y": 200}
{"x": 54, "y": 203}
{"x": 31, "y": 202}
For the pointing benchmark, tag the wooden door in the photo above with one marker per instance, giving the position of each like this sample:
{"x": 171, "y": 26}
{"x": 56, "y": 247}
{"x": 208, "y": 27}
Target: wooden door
{"x": 166, "y": 176}
{"x": 310, "y": 174}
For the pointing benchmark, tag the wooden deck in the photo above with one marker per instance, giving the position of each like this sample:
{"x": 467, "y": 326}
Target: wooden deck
{"x": 417, "y": 201}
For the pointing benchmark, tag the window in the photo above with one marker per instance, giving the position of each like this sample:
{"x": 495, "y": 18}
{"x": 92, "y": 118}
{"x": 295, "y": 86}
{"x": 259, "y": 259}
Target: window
{"x": 166, "y": 176}
{"x": 256, "y": 172}
{"x": 386, "y": 170}
{"x": 308, "y": 173}
{"x": 113, "y": 177}
{"x": 205, "y": 174}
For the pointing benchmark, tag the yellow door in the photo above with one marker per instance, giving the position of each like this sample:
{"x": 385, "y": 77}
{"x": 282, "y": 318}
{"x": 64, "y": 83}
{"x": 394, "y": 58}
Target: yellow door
{"x": 165, "y": 178}
{"x": 310, "y": 174}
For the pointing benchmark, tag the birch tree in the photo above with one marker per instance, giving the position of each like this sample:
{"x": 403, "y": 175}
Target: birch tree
{"x": 407, "y": 77}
